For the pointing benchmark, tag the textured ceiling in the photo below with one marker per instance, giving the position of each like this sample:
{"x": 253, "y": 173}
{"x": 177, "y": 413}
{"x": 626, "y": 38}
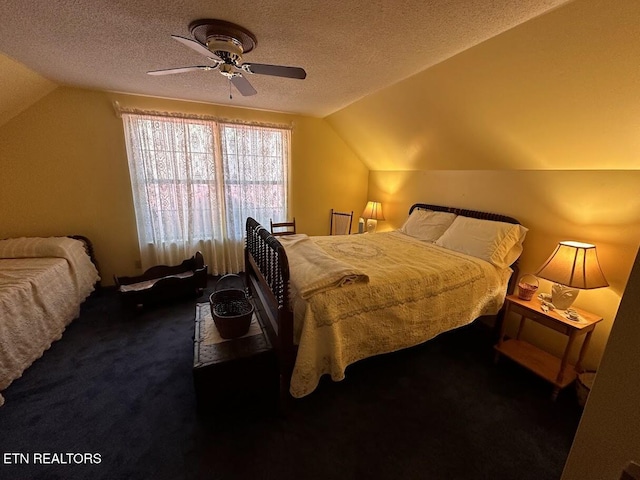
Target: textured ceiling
{"x": 349, "y": 48}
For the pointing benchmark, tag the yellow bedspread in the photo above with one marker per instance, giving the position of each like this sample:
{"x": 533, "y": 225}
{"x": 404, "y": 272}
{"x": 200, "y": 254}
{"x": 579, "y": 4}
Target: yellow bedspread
{"x": 42, "y": 284}
{"x": 415, "y": 291}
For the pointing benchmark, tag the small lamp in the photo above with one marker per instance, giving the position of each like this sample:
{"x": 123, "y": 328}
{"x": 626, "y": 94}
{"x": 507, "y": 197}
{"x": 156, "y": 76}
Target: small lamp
{"x": 572, "y": 266}
{"x": 373, "y": 213}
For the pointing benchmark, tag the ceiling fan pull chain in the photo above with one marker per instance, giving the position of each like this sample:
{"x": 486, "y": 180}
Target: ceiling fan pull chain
{"x": 230, "y": 96}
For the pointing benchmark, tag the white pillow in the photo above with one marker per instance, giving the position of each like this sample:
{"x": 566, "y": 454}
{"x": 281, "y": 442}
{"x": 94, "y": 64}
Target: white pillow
{"x": 427, "y": 225}
{"x": 499, "y": 243}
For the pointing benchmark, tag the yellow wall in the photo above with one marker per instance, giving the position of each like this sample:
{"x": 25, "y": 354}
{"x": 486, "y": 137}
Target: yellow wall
{"x": 64, "y": 170}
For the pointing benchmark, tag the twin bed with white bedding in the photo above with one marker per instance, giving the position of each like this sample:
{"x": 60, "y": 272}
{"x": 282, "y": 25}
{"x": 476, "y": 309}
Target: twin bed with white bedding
{"x": 43, "y": 281}
{"x": 331, "y": 301}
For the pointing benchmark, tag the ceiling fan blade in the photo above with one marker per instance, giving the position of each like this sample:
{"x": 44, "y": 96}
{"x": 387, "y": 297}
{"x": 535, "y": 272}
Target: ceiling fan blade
{"x": 170, "y": 71}
{"x": 243, "y": 86}
{"x": 275, "y": 70}
{"x": 197, "y": 46}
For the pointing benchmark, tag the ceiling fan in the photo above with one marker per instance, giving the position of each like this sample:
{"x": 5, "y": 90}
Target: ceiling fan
{"x": 224, "y": 43}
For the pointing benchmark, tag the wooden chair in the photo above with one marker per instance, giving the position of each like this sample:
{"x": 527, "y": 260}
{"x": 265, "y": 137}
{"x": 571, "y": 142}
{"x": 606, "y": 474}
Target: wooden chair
{"x": 283, "y": 228}
{"x": 340, "y": 223}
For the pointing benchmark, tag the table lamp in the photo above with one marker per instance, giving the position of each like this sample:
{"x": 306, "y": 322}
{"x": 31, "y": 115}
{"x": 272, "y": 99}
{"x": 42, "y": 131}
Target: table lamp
{"x": 373, "y": 213}
{"x": 572, "y": 266}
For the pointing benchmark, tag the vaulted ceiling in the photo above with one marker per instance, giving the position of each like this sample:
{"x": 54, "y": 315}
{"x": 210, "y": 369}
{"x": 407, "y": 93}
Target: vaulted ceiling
{"x": 349, "y": 49}
{"x": 559, "y": 92}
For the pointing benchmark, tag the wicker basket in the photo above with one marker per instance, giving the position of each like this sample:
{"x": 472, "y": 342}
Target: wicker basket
{"x": 527, "y": 286}
{"x": 230, "y": 309}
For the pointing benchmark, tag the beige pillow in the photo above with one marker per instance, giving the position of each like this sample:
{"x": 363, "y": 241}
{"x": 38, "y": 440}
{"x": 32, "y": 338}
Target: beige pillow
{"x": 499, "y": 243}
{"x": 427, "y": 225}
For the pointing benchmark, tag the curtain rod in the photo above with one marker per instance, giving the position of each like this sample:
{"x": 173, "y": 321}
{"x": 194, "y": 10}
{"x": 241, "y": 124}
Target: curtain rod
{"x": 120, "y": 110}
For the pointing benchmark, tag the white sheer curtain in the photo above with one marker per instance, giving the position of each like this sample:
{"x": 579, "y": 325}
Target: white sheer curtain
{"x": 195, "y": 181}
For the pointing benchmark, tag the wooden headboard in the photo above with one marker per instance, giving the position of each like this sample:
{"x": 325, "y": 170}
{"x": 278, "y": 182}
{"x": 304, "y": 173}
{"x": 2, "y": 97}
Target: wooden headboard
{"x": 496, "y": 217}
{"x": 465, "y": 213}
{"x": 88, "y": 247}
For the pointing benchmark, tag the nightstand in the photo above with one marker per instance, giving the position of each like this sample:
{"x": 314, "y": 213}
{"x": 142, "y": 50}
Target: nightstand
{"x": 557, "y": 371}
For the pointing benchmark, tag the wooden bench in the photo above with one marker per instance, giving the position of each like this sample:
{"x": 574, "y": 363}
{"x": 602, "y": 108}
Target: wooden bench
{"x": 164, "y": 283}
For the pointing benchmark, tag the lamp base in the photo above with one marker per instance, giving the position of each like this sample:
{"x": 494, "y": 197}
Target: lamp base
{"x": 372, "y": 224}
{"x": 563, "y": 297}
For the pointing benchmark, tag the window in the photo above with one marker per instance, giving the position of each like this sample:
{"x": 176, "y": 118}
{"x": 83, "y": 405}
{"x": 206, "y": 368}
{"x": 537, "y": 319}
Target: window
{"x": 255, "y": 173}
{"x": 195, "y": 181}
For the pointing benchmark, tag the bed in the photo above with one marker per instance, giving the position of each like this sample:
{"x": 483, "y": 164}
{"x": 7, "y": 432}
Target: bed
{"x": 43, "y": 281}
{"x": 331, "y": 301}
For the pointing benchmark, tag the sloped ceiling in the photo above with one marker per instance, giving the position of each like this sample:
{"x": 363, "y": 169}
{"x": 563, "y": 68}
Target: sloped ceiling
{"x": 561, "y": 91}
{"x": 19, "y": 88}
{"x": 349, "y": 49}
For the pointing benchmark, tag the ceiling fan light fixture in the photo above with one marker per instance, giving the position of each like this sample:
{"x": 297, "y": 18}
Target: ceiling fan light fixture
{"x": 217, "y": 44}
{"x": 228, "y": 70}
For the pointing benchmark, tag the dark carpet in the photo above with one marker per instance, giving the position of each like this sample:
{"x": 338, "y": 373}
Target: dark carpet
{"x": 120, "y": 385}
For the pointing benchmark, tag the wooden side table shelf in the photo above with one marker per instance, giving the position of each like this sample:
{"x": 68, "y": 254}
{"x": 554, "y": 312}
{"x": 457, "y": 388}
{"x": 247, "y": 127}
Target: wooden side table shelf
{"x": 556, "y": 370}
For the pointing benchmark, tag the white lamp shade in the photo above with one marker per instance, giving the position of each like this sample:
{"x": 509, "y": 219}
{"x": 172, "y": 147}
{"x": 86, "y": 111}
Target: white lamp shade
{"x": 373, "y": 211}
{"x": 575, "y": 265}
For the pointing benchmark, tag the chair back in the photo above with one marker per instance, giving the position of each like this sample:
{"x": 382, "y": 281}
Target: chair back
{"x": 340, "y": 223}
{"x": 283, "y": 228}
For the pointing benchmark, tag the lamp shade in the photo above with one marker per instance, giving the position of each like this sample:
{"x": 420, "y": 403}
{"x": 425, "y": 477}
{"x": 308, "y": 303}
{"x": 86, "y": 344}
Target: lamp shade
{"x": 373, "y": 211}
{"x": 575, "y": 265}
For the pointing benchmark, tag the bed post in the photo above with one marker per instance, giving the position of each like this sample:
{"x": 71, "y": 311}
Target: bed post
{"x": 267, "y": 277}
{"x": 88, "y": 247}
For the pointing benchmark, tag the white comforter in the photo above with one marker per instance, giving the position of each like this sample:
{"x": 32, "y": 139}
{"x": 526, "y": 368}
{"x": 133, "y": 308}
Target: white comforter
{"x": 406, "y": 292}
{"x": 43, "y": 281}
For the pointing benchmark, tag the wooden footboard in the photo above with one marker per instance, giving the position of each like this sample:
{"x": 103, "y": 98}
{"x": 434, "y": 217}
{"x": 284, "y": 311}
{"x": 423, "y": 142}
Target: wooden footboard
{"x": 267, "y": 276}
